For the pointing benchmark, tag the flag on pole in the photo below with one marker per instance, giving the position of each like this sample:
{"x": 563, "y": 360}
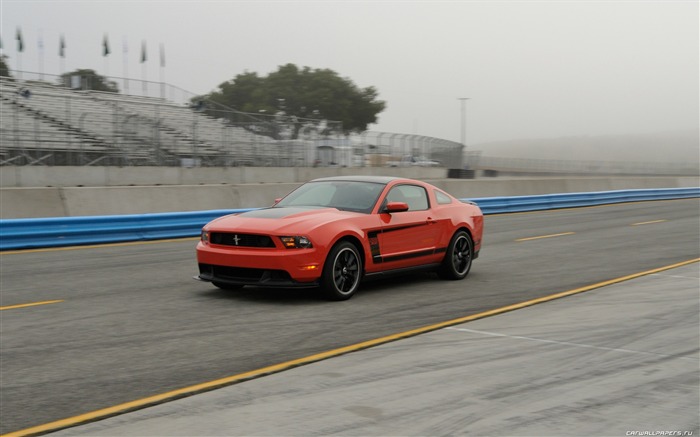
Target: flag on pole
{"x": 105, "y": 46}
{"x": 62, "y": 47}
{"x": 143, "y": 51}
{"x": 20, "y": 42}
{"x": 162, "y": 55}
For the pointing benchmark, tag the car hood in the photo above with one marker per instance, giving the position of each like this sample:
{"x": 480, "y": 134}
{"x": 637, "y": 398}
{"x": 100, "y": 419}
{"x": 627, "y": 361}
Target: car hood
{"x": 281, "y": 219}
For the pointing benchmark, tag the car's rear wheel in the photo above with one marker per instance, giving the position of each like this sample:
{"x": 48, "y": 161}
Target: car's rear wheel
{"x": 342, "y": 272}
{"x": 458, "y": 259}
{"x": 225, "y": 286}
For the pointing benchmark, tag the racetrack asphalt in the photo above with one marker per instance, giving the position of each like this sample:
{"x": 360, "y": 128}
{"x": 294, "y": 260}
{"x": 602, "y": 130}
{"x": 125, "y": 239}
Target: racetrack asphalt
{"x": 620, "y": 359}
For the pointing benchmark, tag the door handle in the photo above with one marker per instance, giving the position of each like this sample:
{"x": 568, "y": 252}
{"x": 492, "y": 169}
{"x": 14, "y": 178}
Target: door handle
{"x": 431, "y": 221}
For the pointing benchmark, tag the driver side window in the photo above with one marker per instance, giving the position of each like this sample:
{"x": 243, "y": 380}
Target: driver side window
{"x": 416, "y": 197}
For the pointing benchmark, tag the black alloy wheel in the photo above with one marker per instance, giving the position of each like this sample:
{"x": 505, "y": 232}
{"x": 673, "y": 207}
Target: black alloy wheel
{"x": 342, "y": 272}
{"x": 458, "y": 259}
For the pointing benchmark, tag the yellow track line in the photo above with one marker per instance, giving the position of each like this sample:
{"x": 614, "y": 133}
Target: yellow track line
{"x": 545, "y": 236}
{"x": 648, "y": 223}
{"x": 33, "y": 304}
{"x": 211, "y": 385}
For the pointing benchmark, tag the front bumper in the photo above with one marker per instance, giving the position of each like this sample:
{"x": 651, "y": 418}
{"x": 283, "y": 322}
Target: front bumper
{"x": 246, "y": 276}
{"x": 263, "y": 267}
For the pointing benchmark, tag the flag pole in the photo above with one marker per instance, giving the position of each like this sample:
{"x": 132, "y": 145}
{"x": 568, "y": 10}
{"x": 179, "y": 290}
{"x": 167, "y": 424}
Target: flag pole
{"x": 20, "y": 49}
{"x": 62, "y": 54}
{"x": 162, "y": 71}
{"x": 125, "y": 55}
{"x": 105, "y": 54}
{"x": 143, "y": 68}
{"x": 40, "y": 44}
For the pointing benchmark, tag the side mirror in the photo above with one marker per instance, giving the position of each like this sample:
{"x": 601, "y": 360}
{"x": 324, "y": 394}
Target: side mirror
{"x": 276, "y": 201}
{"x": 396, "y": 207}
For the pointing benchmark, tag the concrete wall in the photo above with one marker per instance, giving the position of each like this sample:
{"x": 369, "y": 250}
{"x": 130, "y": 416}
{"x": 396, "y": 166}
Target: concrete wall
{"x": 31, "y": 202}
{"x": 82, "y": 201}
{"x": 42, "y": 176}
{"x": 108, "y": 200}
{"x": 494, "y": 187}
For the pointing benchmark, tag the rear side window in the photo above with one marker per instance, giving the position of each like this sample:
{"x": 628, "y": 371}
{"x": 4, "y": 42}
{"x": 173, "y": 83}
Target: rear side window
{"x": 442, "y": 198}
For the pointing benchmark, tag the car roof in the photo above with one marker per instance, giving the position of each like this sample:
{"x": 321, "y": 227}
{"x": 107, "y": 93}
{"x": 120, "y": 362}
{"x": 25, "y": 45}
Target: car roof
{"x": 375, "y": 179}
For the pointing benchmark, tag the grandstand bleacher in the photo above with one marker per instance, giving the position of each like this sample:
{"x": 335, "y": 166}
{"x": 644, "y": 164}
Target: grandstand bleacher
{"x": 54, "y": 125}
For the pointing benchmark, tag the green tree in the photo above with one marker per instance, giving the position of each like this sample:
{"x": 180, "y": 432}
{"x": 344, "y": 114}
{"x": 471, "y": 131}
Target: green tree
{"x": 4, "y": 69}
{"x": 301, "y": 95}
{"x": 90, "y": 80}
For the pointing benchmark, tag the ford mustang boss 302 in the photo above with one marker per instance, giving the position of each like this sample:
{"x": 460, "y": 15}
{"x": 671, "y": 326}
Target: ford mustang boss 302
{"x": 334, "y": 232}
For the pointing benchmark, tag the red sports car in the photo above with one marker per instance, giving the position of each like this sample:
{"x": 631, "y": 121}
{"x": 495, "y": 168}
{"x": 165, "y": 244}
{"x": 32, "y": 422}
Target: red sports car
{"x": 333, "y": 232}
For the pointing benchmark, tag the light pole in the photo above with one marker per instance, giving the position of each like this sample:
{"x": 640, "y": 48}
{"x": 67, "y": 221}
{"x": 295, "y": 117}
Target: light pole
{"x": 464, "y": 119}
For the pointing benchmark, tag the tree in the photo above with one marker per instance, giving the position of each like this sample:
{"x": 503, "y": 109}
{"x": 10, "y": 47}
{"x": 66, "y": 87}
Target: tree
{"x": 4, "y": 69}
{"x": 301, "y": 95}
{"x": 90, "y": 80}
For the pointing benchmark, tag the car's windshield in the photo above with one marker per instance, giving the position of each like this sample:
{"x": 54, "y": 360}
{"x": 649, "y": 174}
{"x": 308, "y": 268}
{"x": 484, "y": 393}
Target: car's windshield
{"x": 344, "y": 195}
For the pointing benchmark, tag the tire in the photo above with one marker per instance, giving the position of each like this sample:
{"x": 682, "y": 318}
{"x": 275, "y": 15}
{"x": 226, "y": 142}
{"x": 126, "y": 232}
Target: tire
{"x": 224, "y": 286}
{"x": 342, "y": 272}
{"x": 459, "y": 256}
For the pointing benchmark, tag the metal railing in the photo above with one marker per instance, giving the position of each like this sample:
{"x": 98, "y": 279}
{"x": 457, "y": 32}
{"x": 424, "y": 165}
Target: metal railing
{"x": 396, "y": 149}
{"x": 69, "y": 231}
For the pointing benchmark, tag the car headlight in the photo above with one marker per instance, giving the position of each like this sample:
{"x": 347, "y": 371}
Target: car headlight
{"x": 296, "y": 242}
{"x": 205, "y": 237}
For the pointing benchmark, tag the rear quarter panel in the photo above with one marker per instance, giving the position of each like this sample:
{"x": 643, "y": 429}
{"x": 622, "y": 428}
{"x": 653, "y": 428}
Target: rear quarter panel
{"x": 462, "y": 215}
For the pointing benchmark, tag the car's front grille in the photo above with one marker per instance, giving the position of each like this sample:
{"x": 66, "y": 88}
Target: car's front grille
{"x": 242, "y": 274}
{"x": 242, "y": 240}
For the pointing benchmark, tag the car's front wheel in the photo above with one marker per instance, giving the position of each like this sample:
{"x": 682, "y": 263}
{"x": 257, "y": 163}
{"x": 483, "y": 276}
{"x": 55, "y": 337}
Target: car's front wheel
{"x": 458, "y": 259}
{"x": 342, "y": 272}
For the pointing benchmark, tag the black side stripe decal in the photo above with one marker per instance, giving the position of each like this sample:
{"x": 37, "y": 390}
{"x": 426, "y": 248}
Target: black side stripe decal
{"x": 377, "y": 257}
{"x": 381, "y": 259}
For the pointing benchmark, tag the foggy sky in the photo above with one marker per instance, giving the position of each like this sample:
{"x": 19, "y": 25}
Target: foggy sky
{"x": 533, "y": 69}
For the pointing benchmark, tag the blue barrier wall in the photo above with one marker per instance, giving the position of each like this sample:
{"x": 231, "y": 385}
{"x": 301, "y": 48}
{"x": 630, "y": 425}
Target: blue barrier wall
{"x": 499, "y": 205}
{"x": 72, "y": 231}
